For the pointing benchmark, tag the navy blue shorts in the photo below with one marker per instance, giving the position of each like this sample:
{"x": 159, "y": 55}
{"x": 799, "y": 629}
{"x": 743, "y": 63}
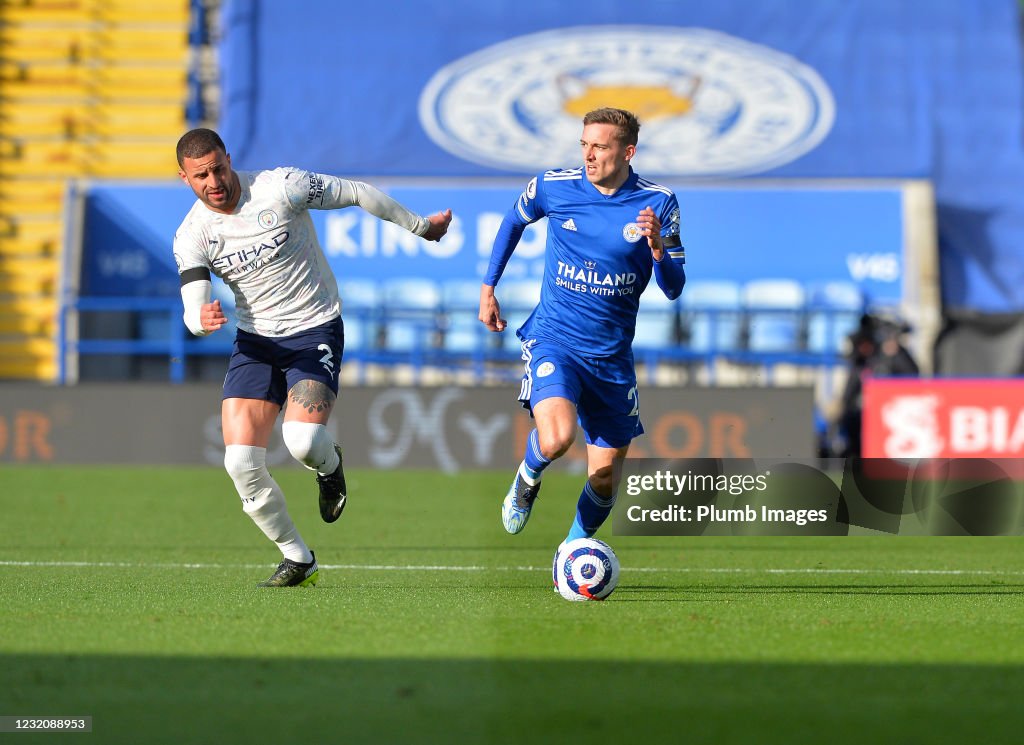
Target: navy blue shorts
{"x": 603, "y": 390}
{"x": 266, "y": 368}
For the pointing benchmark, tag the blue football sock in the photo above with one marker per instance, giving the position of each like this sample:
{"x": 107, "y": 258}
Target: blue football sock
{"x": 534, "y": 462}
{"x": 591, "y": 512}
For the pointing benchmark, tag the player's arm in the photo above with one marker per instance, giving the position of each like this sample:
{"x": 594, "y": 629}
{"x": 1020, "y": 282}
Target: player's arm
{"x": 321, "y": 192}
{"x": 505, "y": 242}
{"x": 201, "y": 317}
{"x": 510, "y": 231}
{"x": 666, "y": 250}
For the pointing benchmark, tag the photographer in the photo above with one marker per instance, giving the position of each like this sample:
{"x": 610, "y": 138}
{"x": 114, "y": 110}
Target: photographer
{"x": 876, "y": 349}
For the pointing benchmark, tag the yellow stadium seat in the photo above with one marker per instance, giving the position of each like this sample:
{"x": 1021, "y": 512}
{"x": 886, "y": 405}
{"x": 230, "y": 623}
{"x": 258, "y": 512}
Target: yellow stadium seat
{"x": 143, "y": 128}
{"x": 50, "y": 128}
{"x": 20, "y": 276}
{"x": 19, "y": 237}
{"x": 88, "y": 88}
{"x": 34, "y": 308}
{"x": 15, "y": 369}
{"x": 26, "y": 248}
{"x": 26, "y": 171}
{"x": 55, "y": 91}
{"x": 47, "y": 119}
{"x": 28, "y": 361}
{"x": 37, "y": 197}
{"x": 30, "y": 112}
{"x": 24, "y": 286}
{"x": 109, "y": 13}
{"x": 31, "y": 208}
{"x": 56, "y": 46}
{"x": 44, "y": 153}
{"x": 34, "y": 321}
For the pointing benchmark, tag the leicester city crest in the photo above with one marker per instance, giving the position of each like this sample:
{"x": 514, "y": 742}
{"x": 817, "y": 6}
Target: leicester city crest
{"x": 710, "y": 104}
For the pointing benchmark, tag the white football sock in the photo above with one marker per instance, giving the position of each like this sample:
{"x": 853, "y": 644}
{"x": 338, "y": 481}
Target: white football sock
{"x": 263, "y": 500}
{"x": 311, "y": 445}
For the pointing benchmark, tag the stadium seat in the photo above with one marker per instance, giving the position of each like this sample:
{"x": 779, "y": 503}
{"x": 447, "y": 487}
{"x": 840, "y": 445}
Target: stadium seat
{"x": 521, "y": 294}
{"x": 834, "y": 311}
{"x": 774, "y": 309}
{"x": 31, "y": 237}
{"x": 711, "y": 314}
{"x": 656, "y": 323}
{"x": 462, "y": 332}
{"x": 28, "y": 276}
{"x": 360, "y": 303}
{"x": 464, "y": 335}
{"x": 518, "y": 298}
{"x": 461, "y": 294}
{"x": 37, "y": 314}
{"x": 28, "y": 359}
{"x": 91, "y": 88}
{"x": 410, "y": 314}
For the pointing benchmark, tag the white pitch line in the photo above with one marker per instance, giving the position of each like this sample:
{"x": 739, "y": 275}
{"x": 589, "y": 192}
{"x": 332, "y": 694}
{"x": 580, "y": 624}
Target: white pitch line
{"x": 475, "y": 568}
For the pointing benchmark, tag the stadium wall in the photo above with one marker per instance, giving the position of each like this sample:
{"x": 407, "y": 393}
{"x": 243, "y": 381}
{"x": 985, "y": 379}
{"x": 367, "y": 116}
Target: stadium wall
{"x": 448, "y": 428}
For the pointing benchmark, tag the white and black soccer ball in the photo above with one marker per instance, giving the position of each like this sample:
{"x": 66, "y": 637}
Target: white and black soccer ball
{"x": 585, "y": 569}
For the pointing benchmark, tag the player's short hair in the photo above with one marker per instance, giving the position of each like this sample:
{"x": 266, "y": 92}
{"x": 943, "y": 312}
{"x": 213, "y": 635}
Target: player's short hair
{"x": 627, "y": 123}
{"x": 198, "y": 142}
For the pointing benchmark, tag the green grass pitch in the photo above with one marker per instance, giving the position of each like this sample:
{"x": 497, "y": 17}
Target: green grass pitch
{"x": 128, "y": 594}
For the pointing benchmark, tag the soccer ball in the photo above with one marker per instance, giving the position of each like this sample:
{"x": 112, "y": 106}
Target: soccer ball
{"x": 585, "y": 569}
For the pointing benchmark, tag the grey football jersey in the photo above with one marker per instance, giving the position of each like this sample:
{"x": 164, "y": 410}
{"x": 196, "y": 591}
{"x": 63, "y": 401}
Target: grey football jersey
{"x": 267, "y": 250}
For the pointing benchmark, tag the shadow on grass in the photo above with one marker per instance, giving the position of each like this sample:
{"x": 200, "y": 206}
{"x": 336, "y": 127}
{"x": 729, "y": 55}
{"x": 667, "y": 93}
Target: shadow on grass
{"x": 716, "y": 593}
{"x": 252, "y": 701}
{"x": 987, "y": 589}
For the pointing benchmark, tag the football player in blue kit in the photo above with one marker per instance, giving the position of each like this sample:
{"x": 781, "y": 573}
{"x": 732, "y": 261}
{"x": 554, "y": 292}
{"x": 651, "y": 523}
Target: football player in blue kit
{"x": 608, "y": 231}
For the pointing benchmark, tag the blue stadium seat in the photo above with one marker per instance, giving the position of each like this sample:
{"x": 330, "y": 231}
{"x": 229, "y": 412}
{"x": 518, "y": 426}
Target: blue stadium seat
{"x": 712, "y": 315}
{"x": 360, "y": 304}
{"x": 774, "y": 315}
{"x": 834, "y": 311}
{"x": 518, "y": 298}
{"x": 462, "y": 333}
{"x": 656, "y": 322}
{"x": 461, "y": 295}
{"x": 410, "y": 315}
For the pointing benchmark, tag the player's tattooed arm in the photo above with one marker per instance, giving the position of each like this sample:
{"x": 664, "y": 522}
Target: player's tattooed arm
{"x": 311, "y": 395}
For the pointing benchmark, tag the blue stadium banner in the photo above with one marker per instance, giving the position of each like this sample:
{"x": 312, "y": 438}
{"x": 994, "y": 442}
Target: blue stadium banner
{"x": 739, "y": 233}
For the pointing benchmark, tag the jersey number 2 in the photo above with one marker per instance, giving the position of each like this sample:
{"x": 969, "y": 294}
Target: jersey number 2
{"x": 328, "y": 359}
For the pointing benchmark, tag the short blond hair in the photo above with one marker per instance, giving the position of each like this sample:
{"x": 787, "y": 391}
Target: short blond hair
{"x": 626, "y": 122}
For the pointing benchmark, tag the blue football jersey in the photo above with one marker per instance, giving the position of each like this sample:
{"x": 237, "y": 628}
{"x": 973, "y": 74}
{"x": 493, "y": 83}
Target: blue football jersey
{"x": 597, "y": 263}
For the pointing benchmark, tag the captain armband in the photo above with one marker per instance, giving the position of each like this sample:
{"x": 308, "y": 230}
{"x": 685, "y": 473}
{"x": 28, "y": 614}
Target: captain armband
{"x": 194, "y": 295}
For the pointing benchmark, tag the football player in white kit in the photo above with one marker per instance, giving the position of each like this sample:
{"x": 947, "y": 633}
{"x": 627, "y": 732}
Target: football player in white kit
{"x": 253, "y": 230}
